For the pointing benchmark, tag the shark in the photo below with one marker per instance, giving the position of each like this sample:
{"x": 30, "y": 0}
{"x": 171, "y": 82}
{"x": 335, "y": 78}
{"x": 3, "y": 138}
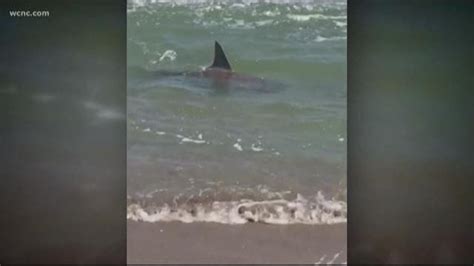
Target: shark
{"x": 219, "y": 76}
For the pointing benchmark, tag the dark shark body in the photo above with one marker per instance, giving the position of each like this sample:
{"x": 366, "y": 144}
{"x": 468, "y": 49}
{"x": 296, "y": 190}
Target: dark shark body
{"x": 218, "y": 76}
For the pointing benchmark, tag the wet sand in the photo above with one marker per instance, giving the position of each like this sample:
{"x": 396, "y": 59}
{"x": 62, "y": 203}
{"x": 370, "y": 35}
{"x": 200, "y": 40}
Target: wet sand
{"x": 176, "y": 242}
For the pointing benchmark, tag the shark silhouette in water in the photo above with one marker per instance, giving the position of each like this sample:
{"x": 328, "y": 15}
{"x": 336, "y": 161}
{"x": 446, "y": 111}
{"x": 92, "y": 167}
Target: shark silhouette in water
{"x": 218, "y": 76}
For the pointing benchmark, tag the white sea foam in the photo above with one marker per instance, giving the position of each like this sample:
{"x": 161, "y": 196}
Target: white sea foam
{"x": 334, "y": 258}
{"x": 241, "y": 24}
{"x": 299, "y": 17}
{"x": 324, "y": 39}
{"x": 256, "y": 148}
{"x": 263, "y": 22}
{"x": 324, "y": 261}
{"x": 168, "y": 55}
{"x": 321, "y": 260}
{"x": 140, "y": 3}
{"x": 340, "y": 23}
{"x": 237, "y": 5}
{"x": 272, "y": 13}
{"x": 238, "y": 147}
{"x": 184, "y": 139}
{"x": 197, "y": 141}
{"x": 317, "y": 210}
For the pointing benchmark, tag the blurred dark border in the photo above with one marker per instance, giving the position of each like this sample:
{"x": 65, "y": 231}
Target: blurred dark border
{"x": 410, "y": 131}
{"x": 63, "y": 132}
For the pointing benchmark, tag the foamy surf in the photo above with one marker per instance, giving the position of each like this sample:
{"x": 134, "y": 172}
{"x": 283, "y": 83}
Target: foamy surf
{"x": 306, "y": 17}
{"x": 317, "y": 210}
{"x": 326, "y": 260}
{"x": 246, "y": 15}
{"x": 240, "y": 4}
{"x": 325, "y": 39}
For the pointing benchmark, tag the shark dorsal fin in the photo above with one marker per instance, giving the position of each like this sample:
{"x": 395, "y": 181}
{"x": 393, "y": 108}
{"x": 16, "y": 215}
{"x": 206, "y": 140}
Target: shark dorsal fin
{"x": 220, "y": 60}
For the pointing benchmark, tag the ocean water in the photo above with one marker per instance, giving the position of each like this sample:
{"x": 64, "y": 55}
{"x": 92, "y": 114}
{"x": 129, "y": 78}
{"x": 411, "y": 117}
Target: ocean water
{"x": 198, "y": 152}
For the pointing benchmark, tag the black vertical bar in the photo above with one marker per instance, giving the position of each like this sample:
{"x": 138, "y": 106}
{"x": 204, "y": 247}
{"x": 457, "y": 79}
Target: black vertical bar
{"x": 63, "y": 131}
{"x": 410, "y": 126}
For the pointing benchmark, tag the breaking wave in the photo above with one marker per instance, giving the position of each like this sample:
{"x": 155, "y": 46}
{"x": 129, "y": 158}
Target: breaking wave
{"x": 236, "y": 3}
{"x": 305, "y": 18}
{"x": 300, "y": 210}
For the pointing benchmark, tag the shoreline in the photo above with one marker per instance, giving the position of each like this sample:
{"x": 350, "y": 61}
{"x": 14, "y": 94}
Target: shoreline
{"x": 206, "y": 243}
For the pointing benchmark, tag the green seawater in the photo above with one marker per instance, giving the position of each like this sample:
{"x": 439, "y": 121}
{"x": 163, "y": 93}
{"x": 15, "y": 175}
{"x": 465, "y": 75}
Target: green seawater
{"x": 184, "y": 138}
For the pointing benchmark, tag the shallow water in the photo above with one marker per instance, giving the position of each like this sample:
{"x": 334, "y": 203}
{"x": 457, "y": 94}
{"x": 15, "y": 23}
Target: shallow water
{"x": 192, "y": 145}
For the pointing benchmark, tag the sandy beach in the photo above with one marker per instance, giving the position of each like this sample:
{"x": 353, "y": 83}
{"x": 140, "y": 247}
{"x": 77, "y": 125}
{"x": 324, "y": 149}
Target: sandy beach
{"x": 205, "y": 243}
